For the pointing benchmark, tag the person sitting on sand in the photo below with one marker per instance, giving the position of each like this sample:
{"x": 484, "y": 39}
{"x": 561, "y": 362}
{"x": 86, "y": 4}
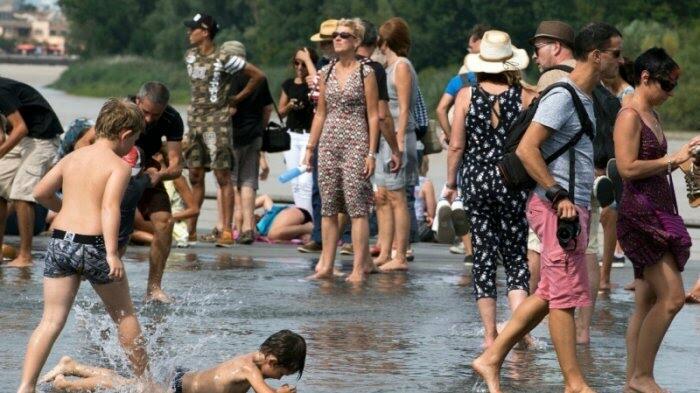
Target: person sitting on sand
{"x": 283, "y": 353}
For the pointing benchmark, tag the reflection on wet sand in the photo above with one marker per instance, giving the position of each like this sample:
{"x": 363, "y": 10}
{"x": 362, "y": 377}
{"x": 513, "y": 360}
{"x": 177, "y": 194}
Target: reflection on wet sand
{"x": 349, "y": 348}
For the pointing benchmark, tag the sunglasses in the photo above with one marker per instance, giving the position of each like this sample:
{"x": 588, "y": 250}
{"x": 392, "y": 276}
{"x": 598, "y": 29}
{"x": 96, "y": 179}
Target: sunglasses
{"x": 342, "y": 34}
{"x": 666, "y": 85}
{"x": 615, "y": 53}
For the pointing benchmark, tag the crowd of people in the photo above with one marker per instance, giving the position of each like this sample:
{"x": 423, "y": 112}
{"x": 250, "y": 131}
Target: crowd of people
{"x": 532, "y": 170}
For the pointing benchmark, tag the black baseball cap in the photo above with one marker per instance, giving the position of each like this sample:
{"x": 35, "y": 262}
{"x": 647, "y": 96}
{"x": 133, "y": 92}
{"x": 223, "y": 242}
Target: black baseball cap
{"x": 204, "y": 21}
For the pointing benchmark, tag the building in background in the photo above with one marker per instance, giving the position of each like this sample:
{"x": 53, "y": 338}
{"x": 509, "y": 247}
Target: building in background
{"x": 32, "y": 30}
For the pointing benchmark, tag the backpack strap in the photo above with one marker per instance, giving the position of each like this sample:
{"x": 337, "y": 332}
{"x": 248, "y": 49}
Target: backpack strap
{"x": 584, "y": 120}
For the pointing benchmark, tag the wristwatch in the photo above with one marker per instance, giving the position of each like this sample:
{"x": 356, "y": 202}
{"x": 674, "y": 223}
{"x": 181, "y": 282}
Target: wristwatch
{"x": 451, "y": 186}
{"x": 556, "y": 193}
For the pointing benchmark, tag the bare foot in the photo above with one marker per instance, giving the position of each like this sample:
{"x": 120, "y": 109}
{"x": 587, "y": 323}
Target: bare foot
{"x": 356, "y": 277}
{"x": 158, "y": 295}
{"x": 630, "y": 286}
{"x": 583, "y": 389}
{"x": 489, "y": 372}
{"x": 583, "y": 336}
{"x": 645, "y": 385}
{"x": 21, "y": 261}
{"x": 63, "y": 366}
{"x": 394, "y": 265}
{"x": 370, "y": 268}
{"x": 381, "y": 260}
{"x": 60, "y": 382}
{"x": 322, "y": 275}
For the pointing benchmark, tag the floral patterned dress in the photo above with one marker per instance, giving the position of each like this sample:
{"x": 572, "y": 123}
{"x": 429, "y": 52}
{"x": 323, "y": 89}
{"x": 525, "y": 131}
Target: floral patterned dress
{"x": 344, "y": 146}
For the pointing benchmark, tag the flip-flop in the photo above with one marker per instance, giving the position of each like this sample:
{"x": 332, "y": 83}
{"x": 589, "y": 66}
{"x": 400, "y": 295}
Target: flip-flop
{"x": 614, "y": 176}
{"x": 604, "y": 191}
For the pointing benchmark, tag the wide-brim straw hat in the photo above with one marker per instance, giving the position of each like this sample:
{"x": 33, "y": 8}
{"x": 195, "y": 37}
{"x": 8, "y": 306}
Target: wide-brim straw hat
{"x": 325, "y": 32}
{"x": 497, "y": 54}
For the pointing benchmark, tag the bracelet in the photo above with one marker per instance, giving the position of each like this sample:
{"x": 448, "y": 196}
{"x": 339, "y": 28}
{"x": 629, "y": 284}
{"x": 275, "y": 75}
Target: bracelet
{"x": 371, "y": 155}
{"x": 669, "y": 166}
{"x": 310, "y": 147}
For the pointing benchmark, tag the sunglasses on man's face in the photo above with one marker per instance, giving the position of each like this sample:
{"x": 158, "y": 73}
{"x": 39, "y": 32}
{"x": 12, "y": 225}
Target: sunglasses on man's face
{"x": 667, "y": 85}
{"x": 342, "y": 34}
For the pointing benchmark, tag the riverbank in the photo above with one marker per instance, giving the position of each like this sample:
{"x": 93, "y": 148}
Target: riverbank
{"x": 121, "y": 75}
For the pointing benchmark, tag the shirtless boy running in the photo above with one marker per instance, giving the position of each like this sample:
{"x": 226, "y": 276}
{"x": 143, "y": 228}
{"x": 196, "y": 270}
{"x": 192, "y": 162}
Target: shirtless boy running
{"x": 84, "y": 239}
{"x": 283, "y": 353}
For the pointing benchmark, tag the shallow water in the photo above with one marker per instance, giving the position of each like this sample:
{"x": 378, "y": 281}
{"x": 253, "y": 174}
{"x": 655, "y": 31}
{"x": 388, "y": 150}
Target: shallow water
{"x": 409, "y": 332}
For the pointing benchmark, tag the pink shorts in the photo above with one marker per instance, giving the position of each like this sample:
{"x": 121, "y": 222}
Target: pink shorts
{"x": 563, "y": 273}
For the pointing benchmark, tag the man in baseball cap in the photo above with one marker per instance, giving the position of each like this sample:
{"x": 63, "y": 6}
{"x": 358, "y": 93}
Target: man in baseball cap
{"x": 203, "y": 21}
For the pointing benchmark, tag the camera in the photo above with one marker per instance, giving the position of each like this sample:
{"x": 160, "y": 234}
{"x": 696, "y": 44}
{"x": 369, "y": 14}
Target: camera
{"x": 568, "y": 230}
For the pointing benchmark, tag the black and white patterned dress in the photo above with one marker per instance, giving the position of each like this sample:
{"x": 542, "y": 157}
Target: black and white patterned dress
{"x": 499, "y": 225}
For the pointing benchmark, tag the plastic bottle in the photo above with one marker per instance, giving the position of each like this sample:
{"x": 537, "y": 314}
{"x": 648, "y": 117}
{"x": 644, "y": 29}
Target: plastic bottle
{"x": 290, "y": 174}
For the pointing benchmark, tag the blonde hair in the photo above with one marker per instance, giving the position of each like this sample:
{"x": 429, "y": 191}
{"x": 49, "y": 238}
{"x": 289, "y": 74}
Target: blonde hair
{"x": 118, "y": 114}
{"x": 355, "y": 24}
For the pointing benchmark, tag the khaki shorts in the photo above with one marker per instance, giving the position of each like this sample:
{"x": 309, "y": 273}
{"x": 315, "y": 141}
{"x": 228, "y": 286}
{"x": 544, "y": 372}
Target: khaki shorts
{"x": 23, "y": 166}
{"x": 533, "y": 242}
{"x": 246, "y": 164}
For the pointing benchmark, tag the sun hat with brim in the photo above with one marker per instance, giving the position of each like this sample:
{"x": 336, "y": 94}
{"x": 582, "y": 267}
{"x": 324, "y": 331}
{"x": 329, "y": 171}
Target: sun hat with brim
{"x": 325, "y": 32}
{"x": 497, "y": 55}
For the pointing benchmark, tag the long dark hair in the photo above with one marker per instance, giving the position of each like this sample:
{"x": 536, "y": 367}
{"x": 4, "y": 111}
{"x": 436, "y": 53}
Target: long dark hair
{"x": 312, "y": 54}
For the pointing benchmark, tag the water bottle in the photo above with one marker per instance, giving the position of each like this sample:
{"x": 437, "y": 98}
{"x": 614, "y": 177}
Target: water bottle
{"x": 290, "y": 174}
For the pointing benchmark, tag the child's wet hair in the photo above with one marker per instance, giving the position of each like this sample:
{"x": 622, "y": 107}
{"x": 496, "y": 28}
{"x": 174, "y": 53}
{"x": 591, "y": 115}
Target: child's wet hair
{"x": 289, "y": 348}
{"x": 116, "y": 115}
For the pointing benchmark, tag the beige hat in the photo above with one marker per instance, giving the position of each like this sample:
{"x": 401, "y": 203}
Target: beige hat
{"x": 325, "y": 31}
{"x": 232, "y": 48}
{"x": 497, "y": 54}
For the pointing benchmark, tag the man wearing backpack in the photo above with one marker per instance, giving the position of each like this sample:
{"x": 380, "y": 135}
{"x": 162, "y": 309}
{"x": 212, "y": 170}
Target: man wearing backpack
{"x": 553, "y": 43}
{"x": 555, "y": 207}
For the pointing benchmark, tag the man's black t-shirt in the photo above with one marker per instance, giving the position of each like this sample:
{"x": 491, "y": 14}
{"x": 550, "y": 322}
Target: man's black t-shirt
{"x": 169, "y": 125}
{"x": 299, "y": 119}
{"x": 248, "y": 119}
{"x": 38, "y": 115}
{"x": 380, "y": 74}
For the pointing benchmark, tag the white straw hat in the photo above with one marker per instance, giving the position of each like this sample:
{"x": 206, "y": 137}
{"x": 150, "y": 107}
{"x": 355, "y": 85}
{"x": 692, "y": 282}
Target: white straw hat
{"x": 497, "y": 54}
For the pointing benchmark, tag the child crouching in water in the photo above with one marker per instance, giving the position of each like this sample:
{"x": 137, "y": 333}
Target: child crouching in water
{"x": 283, "y": 353}
{"x": 84, "y": 239}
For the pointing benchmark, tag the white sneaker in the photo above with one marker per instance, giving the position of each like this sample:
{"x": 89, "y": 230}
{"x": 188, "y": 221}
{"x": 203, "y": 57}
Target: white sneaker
{"x": 457, "y": 248}
{"x": 443, "y": 222}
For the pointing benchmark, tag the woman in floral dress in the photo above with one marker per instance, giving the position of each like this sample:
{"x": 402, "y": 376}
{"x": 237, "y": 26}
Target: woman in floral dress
{"x": 346, "y": 127}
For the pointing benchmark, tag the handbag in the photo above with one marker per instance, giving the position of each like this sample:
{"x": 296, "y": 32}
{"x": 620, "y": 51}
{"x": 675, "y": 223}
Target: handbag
{"x": 430, "y": 140}
{"x": 275, "y": 137}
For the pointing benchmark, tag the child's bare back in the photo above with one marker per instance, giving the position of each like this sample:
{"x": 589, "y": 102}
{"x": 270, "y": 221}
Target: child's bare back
{"x": 91, "y": 177}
